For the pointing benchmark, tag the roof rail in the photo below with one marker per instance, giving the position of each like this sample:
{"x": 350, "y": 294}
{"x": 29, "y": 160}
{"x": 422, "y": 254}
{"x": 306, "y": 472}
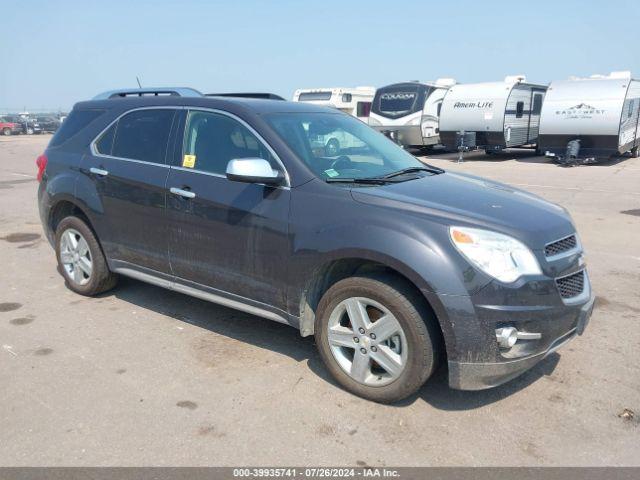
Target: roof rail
{"x": 267, "y": 96}
{"x": 144, "y": 92}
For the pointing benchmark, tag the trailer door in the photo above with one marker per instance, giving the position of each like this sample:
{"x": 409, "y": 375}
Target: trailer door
{"x": 537, "y": 97}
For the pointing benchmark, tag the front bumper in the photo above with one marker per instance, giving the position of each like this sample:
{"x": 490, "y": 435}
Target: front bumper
{"x": 479, "y": 376}
{"x": 407, "y": 135}
{"x": 534, "y": 306}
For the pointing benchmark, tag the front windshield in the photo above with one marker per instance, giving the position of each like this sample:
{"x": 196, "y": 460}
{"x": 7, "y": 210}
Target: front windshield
{"x": 338, "y": 146}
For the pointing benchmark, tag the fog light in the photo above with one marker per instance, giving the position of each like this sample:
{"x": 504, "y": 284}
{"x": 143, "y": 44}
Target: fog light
{"x": 508, "y": 336}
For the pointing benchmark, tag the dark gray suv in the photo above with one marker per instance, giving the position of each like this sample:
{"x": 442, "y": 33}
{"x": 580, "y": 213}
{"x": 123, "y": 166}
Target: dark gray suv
{"x": 392, "y": 264}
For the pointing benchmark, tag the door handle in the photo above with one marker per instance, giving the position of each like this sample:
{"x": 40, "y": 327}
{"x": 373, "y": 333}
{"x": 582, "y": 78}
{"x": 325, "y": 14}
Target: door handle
{"x": 99, "y": 171}
{"x": 182, "y": 193}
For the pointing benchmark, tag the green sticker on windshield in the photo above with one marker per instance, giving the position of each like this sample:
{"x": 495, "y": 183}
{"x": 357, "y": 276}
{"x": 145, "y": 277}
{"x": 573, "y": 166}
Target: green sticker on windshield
{"x": 331, "y": 173}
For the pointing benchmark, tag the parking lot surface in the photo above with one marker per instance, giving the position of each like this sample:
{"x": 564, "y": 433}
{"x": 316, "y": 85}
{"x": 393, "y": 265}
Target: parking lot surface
{"x": 144, "y": 376}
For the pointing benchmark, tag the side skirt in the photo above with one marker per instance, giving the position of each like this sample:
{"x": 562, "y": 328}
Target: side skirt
{"x": 204, "y": 292}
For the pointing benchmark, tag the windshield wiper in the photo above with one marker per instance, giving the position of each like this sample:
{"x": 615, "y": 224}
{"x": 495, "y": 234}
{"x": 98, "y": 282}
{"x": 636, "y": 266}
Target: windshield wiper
{"x": 426, "y": 168}
{"x": 364, "y": 181}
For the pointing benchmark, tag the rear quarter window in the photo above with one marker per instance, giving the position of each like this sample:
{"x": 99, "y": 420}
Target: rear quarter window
{"x": 76, "y": 121}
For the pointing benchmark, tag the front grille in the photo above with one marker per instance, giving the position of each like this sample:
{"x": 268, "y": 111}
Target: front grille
{"x": 561, "y": 246}
{"x": 571, "y": 285}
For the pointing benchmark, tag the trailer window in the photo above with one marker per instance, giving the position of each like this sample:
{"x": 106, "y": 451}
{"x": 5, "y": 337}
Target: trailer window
{"x": 519, "y": 109}
{"x": 363, "y": 109}
{"x": 311, "y": 96}
{"x": 346, "y": 97}
{"x": 439, "y": 107}
{"x": 630, "y": 113}
{"x": 537, "y": 104}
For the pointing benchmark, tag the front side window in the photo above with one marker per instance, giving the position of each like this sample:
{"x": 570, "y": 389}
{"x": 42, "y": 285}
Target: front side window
{"x": 335, "y": 145}
{"x": 139, "y": 135}
{"x": 212, "y": 140}
{"x": 519, "y": 109}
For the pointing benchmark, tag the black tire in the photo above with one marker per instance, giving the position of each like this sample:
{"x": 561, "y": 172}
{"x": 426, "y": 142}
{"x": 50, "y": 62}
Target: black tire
{"x": 635, "y": 152}
{"x": 332, "y": 148}
{"x": 6, "y": 131}
{"x": 416, "y": 319}
{"x": 101, "y": 278}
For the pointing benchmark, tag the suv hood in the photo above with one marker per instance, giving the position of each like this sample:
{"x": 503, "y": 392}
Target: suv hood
{"x": 466, "y": 200}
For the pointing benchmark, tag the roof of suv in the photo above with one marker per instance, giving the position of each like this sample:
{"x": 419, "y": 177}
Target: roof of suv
{"x": 255, "y": 105}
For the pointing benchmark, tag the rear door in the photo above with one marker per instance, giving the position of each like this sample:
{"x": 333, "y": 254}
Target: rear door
{"x": 128, "y": 165}
{"x": 229, "y": 236}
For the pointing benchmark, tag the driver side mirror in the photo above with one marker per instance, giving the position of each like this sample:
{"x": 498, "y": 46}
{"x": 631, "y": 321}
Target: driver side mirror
{"x": 253, "y": 170}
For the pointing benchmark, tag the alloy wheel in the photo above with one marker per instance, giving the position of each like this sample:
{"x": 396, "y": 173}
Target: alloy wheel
{"x": 75, "y": 257}
{"x": 367, "y": 341}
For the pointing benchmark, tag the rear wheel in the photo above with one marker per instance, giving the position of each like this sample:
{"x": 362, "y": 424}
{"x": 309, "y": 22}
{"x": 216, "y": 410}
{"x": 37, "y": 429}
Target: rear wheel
{"x": 6, "y": 131}
{"x": 635, "y": 152}
{"x": 80, "y": 258}
{"x": 376, "y": 337}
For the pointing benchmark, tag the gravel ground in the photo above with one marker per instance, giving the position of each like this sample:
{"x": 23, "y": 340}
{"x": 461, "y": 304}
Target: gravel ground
{"x": 143, "y": 376}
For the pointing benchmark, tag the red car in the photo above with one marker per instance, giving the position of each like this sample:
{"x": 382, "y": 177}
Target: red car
{"x": 9, "y": 128}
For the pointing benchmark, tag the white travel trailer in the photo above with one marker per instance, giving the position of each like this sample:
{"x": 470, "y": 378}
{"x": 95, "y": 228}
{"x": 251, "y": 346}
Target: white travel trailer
{"x": 492, "y": 115}
{"x": 408, "y": 113}
{"x": 587, "y": 119}
{"x": 354, "y": 101}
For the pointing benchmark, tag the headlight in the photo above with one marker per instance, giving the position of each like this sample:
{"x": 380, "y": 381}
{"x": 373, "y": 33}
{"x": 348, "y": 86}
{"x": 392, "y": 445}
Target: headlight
{"x": 497, "y": 255}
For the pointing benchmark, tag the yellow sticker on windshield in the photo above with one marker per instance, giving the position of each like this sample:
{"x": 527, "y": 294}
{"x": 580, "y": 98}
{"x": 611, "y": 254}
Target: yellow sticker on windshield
{"x": 189, "y": 161}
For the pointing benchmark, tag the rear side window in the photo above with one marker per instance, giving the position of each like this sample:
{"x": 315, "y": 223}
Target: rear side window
{"x": 519, "y": 109}
{"x": 105, "y": 144}
{"x": 76, "y": 121}
{"x": 140, "y": 135}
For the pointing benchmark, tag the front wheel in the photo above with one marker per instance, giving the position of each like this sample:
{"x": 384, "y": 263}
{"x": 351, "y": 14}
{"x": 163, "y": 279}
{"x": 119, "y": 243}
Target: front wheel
{"x": 6, "y": 131}
{"x": 80, "y": 258}
{"x": 376, "y": 337}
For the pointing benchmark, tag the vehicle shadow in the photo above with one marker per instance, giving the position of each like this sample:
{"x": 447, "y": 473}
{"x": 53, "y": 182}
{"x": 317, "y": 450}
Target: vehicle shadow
{"x": 218, "y": 319}
{"x": 287, "y": 341}
{"x": 436, "y": 391}
{"x": 520, "y": 156}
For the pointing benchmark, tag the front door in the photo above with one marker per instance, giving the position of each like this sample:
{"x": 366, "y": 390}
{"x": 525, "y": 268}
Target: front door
{"x": 229, "y": 236}
{"x": 128, "y": 166}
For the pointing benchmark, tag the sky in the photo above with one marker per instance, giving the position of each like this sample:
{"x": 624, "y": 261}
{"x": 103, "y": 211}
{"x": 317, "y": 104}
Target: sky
{"x": 54, "y": 53}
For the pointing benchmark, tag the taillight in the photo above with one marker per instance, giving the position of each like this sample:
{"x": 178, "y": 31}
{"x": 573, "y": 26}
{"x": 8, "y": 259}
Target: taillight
{"x": 41, "y": 162}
